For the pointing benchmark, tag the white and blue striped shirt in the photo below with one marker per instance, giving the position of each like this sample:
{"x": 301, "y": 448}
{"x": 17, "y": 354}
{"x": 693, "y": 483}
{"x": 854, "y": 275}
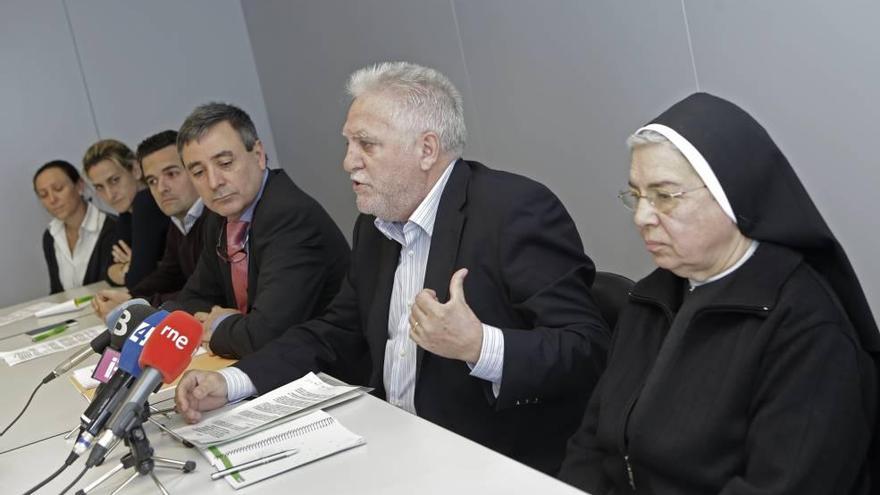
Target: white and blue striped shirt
{"x": 399, "y": 372}
{"x": 414, "y": 236}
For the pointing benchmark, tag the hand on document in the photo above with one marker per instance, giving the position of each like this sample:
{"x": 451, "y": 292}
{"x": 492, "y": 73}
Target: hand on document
{"x": 200, "y": 391}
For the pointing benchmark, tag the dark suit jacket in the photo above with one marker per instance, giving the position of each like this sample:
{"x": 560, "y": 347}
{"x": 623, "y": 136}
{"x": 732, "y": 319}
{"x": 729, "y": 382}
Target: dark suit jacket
{"x": 177, "y": 264}
{"x": 528, "y": 275}
{"x": 101, "y": 259}
{"x": 144, "y": 231}
{"x": 297, "y": 259}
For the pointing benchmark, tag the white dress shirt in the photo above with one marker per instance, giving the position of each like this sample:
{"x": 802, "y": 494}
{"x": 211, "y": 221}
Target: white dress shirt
{"x": 72, "y": 266}
{"x": 399, "y": 371}
{"x": 193, "y": 214}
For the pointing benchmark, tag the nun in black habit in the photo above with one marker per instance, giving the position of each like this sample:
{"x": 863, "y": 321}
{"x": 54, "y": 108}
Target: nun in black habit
{"x": 746, "y": 363}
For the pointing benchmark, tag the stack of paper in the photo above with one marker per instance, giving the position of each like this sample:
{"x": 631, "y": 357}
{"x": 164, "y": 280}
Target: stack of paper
{"x": 23, "y": 314}
{"x": 293, "y": 400}
{"x": 59, "y": 344}
{"x": 309, "y": 438}
{"x": 288, "y": 419}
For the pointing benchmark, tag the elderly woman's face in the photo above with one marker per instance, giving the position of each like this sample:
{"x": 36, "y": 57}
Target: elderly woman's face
{"x": 693, "y": 238}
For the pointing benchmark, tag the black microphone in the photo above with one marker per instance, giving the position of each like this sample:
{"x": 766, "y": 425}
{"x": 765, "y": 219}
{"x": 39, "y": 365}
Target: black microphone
{"x": 97, "y": 344}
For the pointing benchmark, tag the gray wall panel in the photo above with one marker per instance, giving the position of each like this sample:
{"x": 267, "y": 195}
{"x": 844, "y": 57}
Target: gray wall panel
{"x": 810, "y": 72}
{"x": 148, "y": 64}
{"x": 558, "y": 88}
{"x": 46, "y": 116}
{"x": 304, "y": 52}
{"x": 553, "y": 88}
{"x": 551, "y": 91}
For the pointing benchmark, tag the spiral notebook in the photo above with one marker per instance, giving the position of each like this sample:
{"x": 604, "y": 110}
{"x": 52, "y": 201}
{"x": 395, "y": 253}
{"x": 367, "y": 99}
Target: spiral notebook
{"x": 314, "y": 436}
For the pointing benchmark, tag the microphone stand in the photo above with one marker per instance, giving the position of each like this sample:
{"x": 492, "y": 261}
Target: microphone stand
{"x": 141, "y": 458}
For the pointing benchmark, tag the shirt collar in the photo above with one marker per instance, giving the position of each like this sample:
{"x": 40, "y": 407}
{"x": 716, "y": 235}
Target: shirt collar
{"x": 423, "y": 216}
{"x": 56, "y": 226}
{"x": 248, "y": 214}
{"x": 745, "y": 257}
{"x": 193, "y": 214}
{"x": 91, "y": 221}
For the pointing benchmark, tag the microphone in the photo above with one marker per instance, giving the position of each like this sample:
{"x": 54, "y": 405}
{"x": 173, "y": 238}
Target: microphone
{"x": 123, "y": 320}
{"x": 167, "y": 352}
{"x": 97, "y": 344}
{"x": 140, "y": 320}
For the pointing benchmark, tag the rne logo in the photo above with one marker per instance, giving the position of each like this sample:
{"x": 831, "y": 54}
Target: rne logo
{"x": 173, "y": 335}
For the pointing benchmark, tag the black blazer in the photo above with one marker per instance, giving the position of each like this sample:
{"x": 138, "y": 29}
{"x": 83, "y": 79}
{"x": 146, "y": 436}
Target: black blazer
{"x": 297, "y": 259}
{"x": 147, "y": 229}
{"x": 177, "y": 264}
{"x": 101, "y": 259}
{"x": 528, "y": 275}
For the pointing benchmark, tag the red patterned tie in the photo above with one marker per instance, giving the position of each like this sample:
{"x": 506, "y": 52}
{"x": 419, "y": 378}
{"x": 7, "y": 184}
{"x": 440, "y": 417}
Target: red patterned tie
{"x": 238, "y": 261}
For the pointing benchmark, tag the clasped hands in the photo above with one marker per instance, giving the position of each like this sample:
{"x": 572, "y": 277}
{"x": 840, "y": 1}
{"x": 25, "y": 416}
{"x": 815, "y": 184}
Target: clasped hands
{"x": 207, "y": 320}
{"x": 121, "y": 253}
{"x": 107, "y": 299}
{"x": 450, "y": 329}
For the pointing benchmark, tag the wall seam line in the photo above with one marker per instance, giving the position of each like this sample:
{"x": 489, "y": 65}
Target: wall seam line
{"x": 687, "y": 31}
{"x": 467, "y": 73}
{"x": 82, "y": 71}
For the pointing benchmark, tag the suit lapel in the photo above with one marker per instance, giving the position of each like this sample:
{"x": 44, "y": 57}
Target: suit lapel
{"x": 446, "y": 237}
{"x": 253, "y": 253}
{"x": 377, "y": 320}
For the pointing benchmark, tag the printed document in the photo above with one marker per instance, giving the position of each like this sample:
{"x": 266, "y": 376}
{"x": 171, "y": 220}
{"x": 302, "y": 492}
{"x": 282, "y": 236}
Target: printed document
{"x": 295, "y": 399}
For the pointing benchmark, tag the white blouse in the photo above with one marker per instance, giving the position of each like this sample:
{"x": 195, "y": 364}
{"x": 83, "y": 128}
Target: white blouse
{"x": 72, "y": 266}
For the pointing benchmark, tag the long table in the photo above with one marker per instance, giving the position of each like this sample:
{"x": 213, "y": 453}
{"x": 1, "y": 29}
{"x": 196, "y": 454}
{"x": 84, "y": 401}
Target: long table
{"x": 54, "y": 407}
{"x": 403, "y": 453}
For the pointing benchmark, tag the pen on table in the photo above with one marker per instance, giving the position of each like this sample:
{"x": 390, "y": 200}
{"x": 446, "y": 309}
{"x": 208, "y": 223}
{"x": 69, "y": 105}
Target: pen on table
{"x": 81, "y": 301}
{"x": 38, "y": 331}
{"x": 186, "y": 443}
{"x": 50, "y": 332}
{"x": 252, "y": 464}
{"x": 64, "y": 307}
{"x": 166, "y": 411}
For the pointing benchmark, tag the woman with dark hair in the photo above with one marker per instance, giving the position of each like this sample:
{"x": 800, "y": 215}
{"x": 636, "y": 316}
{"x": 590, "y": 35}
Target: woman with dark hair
{"x": 746, "y": 363}
{"x": 79, "y": 240}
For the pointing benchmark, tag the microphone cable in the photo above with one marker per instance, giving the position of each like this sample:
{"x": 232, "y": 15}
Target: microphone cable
{"x": 75, "y": 480}
{"x": 70, "y": 460}
{"x": 28, "y": 403}
{"x": 47, "y": 480}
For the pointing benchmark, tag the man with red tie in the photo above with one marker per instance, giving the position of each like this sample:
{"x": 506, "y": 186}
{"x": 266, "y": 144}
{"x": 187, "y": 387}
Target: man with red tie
{"x": 272, "y": 257}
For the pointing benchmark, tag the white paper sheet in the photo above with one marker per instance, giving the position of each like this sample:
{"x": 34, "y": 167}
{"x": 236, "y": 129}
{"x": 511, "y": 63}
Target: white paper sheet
{"x": 298, "y": 397}
{"x": 57, "y": 344}
{"x": 25, "y": 313}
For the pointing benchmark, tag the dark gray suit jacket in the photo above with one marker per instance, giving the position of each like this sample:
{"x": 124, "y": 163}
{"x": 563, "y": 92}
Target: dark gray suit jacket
{"x": 297, "y": 259}
{"x": 528, "y": 275}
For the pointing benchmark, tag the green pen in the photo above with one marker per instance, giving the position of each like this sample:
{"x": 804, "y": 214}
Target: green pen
{"x": 50, "y": 332}
{"x": 79, "y": 301}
